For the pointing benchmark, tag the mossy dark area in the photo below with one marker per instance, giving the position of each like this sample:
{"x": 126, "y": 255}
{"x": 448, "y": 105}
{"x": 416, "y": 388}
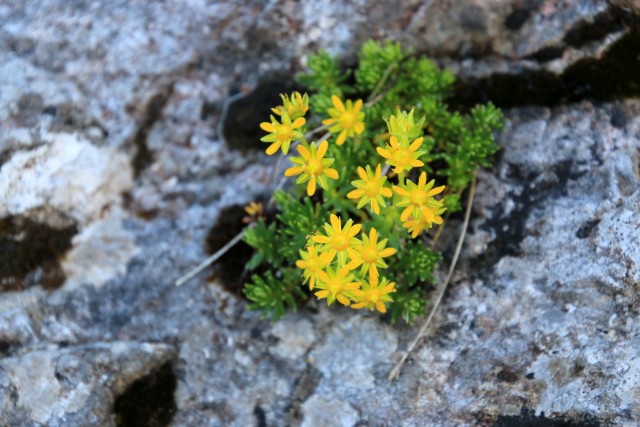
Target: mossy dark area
{"x": 241, "y": 118}
{"x": 26, "y": 247}
{"x": 615, "y": 76}
{"x": 528, "y": 418}
{"x": 149, "y": 401}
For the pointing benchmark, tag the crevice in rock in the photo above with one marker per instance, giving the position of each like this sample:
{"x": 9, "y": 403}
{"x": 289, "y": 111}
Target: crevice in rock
{"x": 148, "y": 401}
{"x": 30, "y": 253}
{"x": 230, "y": 268}
{"x": 587, "y": 228}
{"x": 528, "y": 418}
{"x": 303, "y": 387}
{"x": 242, "y": 114}
{"x": 143, "y": 156}
{"x": 597, "y": 28}
{"x": 612, "y": 20}
{"x": 520, "y": 14}
{"x": 261, "y": 417}
{"x": 614, "y": 76}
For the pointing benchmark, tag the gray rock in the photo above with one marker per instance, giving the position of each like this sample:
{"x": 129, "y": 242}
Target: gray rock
{"x": 109, "y": 115}
{"x": 60, "y": 386}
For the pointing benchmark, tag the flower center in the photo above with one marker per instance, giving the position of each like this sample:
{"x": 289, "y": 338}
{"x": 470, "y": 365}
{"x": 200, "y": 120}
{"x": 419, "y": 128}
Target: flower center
{"x": 373, "y": 296}
{"x": 370, "y": 254}
{"x": 403, "y": 156}
{"x": 347, "y": 120}
{"x": 314, "y": 166}
{"x": 284, "y": 133}
{"x": 371, "y": 189}
{"x": 340, "y": 242}
{"x": 334, "y": 286}
{"x": 418, "y": 197}
{"x": 313, "y": 264}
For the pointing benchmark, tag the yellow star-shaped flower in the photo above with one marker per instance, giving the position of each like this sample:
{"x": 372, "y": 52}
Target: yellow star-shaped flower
{"x": 312, "y": 167}
{"x": 370, "y": 189}
{"x": 281, "y": 134}
{"x": 402, "y": 156}
{"x": 347, "y": 120}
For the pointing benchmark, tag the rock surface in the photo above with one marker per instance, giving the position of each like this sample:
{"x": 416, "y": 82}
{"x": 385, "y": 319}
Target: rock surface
{"x": 113, "y": 172}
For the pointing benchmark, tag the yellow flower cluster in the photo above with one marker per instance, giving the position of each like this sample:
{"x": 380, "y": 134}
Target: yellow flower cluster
{"x": 422, "y": 210}
{"x": 330, "y": 261}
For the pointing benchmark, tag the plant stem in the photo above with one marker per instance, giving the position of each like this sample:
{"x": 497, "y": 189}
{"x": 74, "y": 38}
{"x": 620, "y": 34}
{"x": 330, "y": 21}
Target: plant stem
{"x": 213, "y": 258}
{"x": 373, "y": 96}
{"x": 441, "y": 288}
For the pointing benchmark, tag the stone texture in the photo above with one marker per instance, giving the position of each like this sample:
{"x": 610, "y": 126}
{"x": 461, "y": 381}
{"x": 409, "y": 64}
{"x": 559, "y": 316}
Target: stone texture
{"x": 58, "y": 387}
{"x": 109, "y": 114}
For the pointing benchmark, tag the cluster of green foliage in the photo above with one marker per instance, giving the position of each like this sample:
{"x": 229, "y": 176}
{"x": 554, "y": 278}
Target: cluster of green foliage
{"x": 391, "y": 79}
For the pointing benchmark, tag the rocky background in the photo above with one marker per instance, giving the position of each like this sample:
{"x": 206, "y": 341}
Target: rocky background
{"x": 121, "y": 168}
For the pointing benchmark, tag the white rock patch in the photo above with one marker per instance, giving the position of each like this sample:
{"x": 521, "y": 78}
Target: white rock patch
{"x": 70, "y": 175}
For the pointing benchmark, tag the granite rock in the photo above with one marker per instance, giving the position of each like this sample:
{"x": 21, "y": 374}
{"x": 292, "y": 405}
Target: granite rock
{"x": 111, "y": 115}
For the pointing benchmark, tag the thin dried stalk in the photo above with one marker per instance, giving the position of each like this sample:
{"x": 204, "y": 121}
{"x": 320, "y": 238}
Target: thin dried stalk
{"x": 441, "y": 288}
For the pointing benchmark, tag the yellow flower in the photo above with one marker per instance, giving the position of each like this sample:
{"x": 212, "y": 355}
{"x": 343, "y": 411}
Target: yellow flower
{"x": 312, "y": 167}
{"x": 339, "y": 240}
{"x": 423, "y": 219}
{"x": 370, "y": 188}
{"x": 348, "y": 120}
{"x": 254, "y": 209}
{"x": 370, "y": 254}
{"x": 294, "y": 107}
{"x": 402, "y": 156}
{"x": 415, "y": 196}
{"x": 313, "y": 264}
{"x": 338, "y": 286}
{"x": 281, "y": 134}
{"x": 374, "y": 295}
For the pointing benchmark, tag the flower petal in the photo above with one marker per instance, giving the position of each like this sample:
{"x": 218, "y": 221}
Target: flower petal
{"x": 384, "y": 153}
{"x": 336, "y": 222}
{"x": 304, "y": 152}
{"x": 331, "y": 173}
{"x": 436, "y": 190}
{"x": 416, "y": 144}
{"x": 269, "y": 127}
{"x": 337, "y": 103}
{"x": 311, "y": 186}
{"x": 293, "y": 170}
{"x": 273, "y": 148}
{"x": 298, "y": 123}
{"x": 322, "y": 149}
{"x": 422, "y": 180}
{"x": 355, "y": 194}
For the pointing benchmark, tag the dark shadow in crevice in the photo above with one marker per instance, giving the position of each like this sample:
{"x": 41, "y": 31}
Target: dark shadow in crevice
{"x": 528, "y": 418}
{"x": 143, "y": 156}
{"x": 148, "y": 401}
{"x": 229, "y": 270}
{"x": 30, "y": 253}
{"x": 615, "y": 76}
{"x": 242, "y": 114}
